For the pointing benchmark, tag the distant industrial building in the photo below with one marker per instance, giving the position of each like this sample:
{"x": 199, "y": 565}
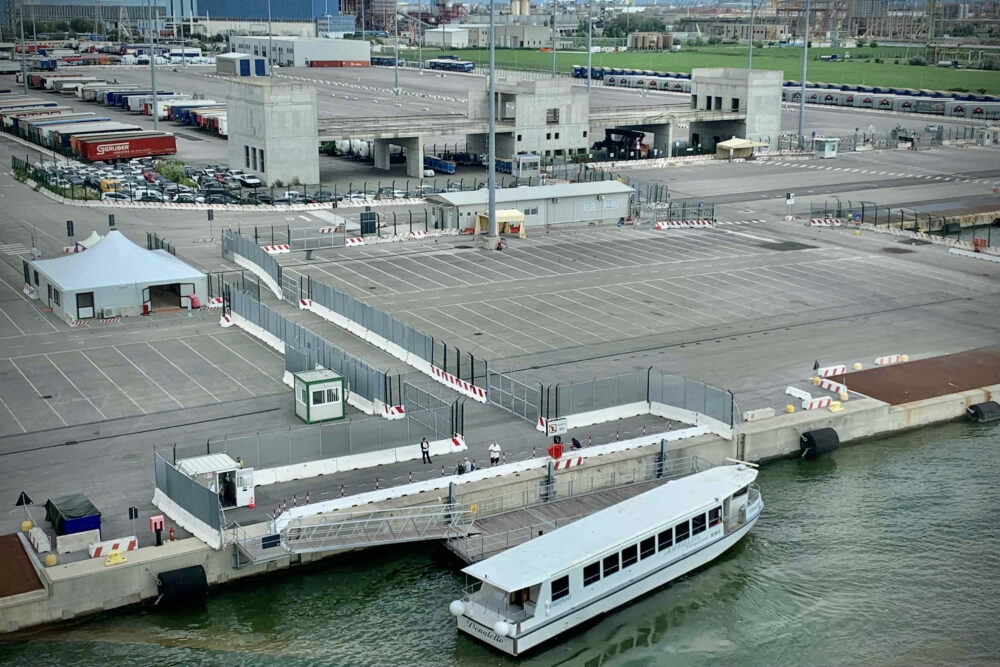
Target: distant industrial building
{"x": 649, "y": 41}
{"x": 305, "y": 52}
{"x": 598, "y": 202}
{"x": 240, "y": 64}
{"x": 447, "y": 37}
{"x": 756, "y": 93}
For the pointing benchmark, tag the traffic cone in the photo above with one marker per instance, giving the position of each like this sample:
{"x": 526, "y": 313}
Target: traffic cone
{"x": 253, "y": 503}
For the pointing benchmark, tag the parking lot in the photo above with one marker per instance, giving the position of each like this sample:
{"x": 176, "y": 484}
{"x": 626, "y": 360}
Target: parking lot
{"x": 103, "y": 375}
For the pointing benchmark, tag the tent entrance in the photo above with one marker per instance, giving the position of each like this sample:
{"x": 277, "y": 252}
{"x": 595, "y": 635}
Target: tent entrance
{"x": 164, "y": 297}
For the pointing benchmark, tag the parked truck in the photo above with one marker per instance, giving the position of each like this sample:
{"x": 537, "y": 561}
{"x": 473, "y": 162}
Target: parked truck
{"x": 127, "y": 147}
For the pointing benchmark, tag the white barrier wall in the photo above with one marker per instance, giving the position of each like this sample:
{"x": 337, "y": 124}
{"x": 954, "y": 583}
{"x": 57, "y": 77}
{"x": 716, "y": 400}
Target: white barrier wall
{"x": 258, "y": 271}
{"x": 187, "y": 521}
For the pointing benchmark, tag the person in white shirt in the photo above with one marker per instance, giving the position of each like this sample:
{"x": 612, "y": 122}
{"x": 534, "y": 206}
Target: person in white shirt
{"x": 425, "y": 450}
{"x": 495, "y": 452}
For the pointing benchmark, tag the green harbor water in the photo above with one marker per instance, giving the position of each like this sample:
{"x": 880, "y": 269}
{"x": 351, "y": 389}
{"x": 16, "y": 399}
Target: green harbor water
{"x": 886, "y": 553}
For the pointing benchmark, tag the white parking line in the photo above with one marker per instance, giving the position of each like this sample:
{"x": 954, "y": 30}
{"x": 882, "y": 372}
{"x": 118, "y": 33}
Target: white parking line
{"x": 169, "y": 395}
{"x": 35, "y": 389}
{"x": 16, "y": 420}
{"x": 73, "y": 384}
{"x": 242, "y": 386}
{"x": 252, "y": 364}
{"x": 113, "y": 383}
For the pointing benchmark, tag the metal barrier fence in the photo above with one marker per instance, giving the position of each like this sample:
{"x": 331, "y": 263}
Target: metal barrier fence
{"x": 361, "y": 378}
{"x": 334, "y": 439}
{"x": 156, "y": 242}
{"x": 851, "y": 212}
{"x": 635, "y": 387}
{"x": 651, "y": 211}
{"x": 506, "y": 391}
{"x": 235, "y": 243}
{"x": 199, "y": 501}
{"x": 218, "y": 281}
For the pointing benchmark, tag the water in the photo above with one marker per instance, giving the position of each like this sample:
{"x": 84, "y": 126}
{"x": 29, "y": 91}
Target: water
{"x": 881, "y": 554}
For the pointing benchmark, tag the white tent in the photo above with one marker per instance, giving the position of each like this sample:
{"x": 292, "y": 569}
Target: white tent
{"x": 90, "y": 241}
{"x": 116, "y": 277}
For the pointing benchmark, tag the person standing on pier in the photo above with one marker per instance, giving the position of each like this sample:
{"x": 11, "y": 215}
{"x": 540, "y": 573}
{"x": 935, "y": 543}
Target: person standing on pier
{"x": 425, "y": 450}
{"x": 495, "y": 452}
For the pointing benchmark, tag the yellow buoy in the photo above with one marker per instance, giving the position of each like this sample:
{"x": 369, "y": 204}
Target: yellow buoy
{"x": 844, "y": 396}
{"x": 836, "y": 406}
{"x": 857, "y": 365}
{"x": 26, "y": 525}
{"x": 904, "y": 357}
{"x": 815, "y": 380}
{"x": 789, "y": 408}
{"x": 50, "y": 560}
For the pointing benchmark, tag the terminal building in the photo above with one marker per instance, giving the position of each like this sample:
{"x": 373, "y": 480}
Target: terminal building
{"x": 306, "y": 51}
{"x": 598, "y": 202}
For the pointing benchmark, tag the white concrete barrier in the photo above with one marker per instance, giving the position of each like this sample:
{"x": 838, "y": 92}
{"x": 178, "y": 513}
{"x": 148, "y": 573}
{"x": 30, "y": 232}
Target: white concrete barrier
{"x": 98, "y": 549}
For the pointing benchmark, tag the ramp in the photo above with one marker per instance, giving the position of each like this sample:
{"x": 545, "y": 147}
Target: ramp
{"x": 19, "y": 575}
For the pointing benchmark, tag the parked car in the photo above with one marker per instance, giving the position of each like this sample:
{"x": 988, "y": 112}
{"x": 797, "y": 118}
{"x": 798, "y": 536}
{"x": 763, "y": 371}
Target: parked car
{"x": 187, "y": 198}
{"x": 249, "y": 181}
{"x": 116, "y": 196}
{"x": 259, "y": 198}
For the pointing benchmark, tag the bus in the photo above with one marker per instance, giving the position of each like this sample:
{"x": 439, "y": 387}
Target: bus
{"x": 451, "y": 64}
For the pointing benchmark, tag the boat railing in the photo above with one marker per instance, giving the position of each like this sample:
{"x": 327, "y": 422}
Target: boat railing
{"x": 583, "y": 483}
{"x": 753, "y": 495}
{"x": 497, "y": 606}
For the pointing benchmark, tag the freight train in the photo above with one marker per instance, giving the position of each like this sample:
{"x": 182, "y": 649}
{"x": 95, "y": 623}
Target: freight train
{"x": 932, "y": 102}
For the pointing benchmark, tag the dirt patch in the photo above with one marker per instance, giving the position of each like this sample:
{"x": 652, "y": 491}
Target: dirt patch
{"x": 18, "y": 574}
{"x": 927, "y": 378}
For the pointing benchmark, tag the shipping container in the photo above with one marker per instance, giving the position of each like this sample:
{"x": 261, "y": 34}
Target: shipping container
{"x": 30, "y": 128}
{"x": 126, "y": 148}
{"x": 68, "y": 141}
{"x": 11, "y": 118}
{"x": 347, "y": 63}
{"x": 57, "y": 85}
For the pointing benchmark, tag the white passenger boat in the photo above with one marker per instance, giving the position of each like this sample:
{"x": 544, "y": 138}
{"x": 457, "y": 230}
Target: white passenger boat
{"x": 532, "y": 592}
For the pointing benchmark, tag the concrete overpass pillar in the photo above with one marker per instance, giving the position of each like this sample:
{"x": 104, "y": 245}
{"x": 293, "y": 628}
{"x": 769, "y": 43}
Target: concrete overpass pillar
{"x": 414, "y": 156}
{"x": 670, "y": 140}
{"x": 382, "y": 151}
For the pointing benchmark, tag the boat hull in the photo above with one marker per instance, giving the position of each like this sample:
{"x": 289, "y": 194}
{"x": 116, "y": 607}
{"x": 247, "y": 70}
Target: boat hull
{"x": 541, "y": 630}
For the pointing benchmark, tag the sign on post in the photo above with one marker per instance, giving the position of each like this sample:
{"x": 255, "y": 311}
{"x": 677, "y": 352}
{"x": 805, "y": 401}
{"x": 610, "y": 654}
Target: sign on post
{"x": 790, "y": 198}
{"x": 368, "y": 222}
{"x": 69, "y": 228}
{"x": 556, "y": 426}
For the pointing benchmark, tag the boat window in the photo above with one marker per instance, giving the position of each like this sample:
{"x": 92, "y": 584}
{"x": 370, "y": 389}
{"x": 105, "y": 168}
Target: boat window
{"x": 682, "y": 531}
{"x": 592, "y": 573}
{"x": 741, "y": 491}
{"x": 714, "y": 516}
{"x": 560, "y": 588}
{"x": 630, "y": 556}
{"x": 647, "y": 547}
{"x": 698, "y": 524}
{"x": 610, "y": 564}
{"x": 666, "y": 538}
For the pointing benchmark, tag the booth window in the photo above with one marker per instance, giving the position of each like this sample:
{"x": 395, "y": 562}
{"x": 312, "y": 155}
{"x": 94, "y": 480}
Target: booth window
{"x": 590, "y": 206}
{"x": 304, "y": 396}
{"x": 323, "y": 396}
{"x": 55, "y": 297}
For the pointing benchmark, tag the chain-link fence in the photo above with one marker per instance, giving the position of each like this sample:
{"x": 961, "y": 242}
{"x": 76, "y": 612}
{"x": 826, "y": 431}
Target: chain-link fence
{"x": 511, "y": 394}
{"x": 334, "y": 439}
{"x": 361, "y": 378}
{"x": 636, "y": 387}
{"x": 199, "y": 501}
{"x": 234, "y": 243}
{"x": 652, "y": 212}
{"x": 857, "y": 212}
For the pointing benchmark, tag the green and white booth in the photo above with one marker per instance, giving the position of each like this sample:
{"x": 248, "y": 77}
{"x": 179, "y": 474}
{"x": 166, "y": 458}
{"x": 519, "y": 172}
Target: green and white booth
{"x": 319, "y": 396}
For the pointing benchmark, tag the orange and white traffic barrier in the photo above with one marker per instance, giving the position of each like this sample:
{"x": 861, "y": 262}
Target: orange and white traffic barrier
{"x": 226, "y": 321}
{"x": 683, "y": 224}
{"x": 305, "y": 304}
{"x": 467, "y": 388}
{"x": 214, "y": 302}
{"x": 393, "y": 412}
{"x": 98, "y": 549}
{"x": 458, "y": 440}
{"x": 890, "y": 359}
{"x": 354, "y": 241}
{"x": 419, "y": 234}
{"x": 277, "y": 249}
{"x": 562, "y": 464}
{"x": 830, "y": 385}
{"x": 541, "y": 425}
{"x": 815, "y": 403}
{"x": 830, "y": 371}
{"x": 824, "y": 222}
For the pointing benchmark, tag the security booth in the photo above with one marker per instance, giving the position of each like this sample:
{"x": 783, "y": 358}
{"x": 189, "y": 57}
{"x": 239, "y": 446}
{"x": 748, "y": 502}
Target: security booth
{"x": 509, "y": 221}
{"x": 223, "y": 475}
{"x": 825, "y": 147}
{"x": 319, "y": 396}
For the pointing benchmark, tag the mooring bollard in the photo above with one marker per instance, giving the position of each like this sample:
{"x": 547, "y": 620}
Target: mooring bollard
{"x": 307, "y": 497}
{"x": 295, "y": 500}
{"x": 376, "y": 483}
{"x": 411, "y": 477}
{"x": 341, "y": 490}
{"x": 442, "y": 471}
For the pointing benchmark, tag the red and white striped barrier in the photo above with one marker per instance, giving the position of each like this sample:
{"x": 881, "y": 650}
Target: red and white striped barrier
{"x": 889, "y": 359}
{"x": 226, "y": 321}
{"x": 458, "y": 441}
{"x": 81, "y": 323}
{"x": 277, "y": 249}
{"x": 830, "y": 371}
{"x": 459, "y": 384}
{"x": 69, "y": 250}
{"x": 214, "y": 302}
{"x": 419, "y": 234}
{"x": 815, "y": 403}
{"x": 683, "y": 224}
{"x": 98, "y": 549}
{"x": 542, "y": 424}
{"x": 824, "y": 222}
{"x": 563, "y": 464}
{"x": 110, "y": 320}
{"x": 835, "y": 387}
{"x": 305, "y": 304}
{"x": 326, "y": 230}
{"x": 393, "y": 412}
{"x": 354, "y": 241}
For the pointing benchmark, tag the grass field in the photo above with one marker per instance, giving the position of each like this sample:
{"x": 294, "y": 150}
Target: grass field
{"x": 788, "y": 60}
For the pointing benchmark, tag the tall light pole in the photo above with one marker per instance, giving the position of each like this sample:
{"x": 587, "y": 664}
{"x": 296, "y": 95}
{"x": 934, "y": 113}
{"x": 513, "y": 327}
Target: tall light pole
{"x": 802, "y": 90}
{"x": 270, "y": 44}
{"x": 24, "y": 55}
{"x": 553, "y": 38}
{"x": 590, "y": 46}
{"x": 492, "y": 180}
{"x": 750, "y": 37}
{"x": 395, "y": 69}
{"x": 152, "y": 63}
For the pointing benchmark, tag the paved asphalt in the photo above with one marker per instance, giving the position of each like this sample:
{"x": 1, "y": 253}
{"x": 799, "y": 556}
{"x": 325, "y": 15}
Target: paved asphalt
{"x": 82, "y": 409}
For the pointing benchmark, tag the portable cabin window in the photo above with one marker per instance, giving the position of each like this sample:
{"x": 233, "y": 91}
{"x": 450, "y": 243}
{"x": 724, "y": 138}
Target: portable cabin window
{"x": 714, "y": 516}
{"x": 321, "y": 396}
{"x": 682, "y": 531}
{"x": 630, "y": 556}
{"x": 610, "y": 564}
{"x": 55, "y": 297}
{"x": 647, "y": 547}
{"x": 560, "y": 588}
{"x": 698, "y": 524}
{"x": 666, "y": 538}
{"x": 592, "y": 573}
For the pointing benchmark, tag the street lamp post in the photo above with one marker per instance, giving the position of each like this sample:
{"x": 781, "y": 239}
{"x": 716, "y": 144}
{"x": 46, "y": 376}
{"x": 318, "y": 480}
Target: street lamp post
{"x": 270, "y": 43}
{"x": 750, "y": 37}
{"x": 492, "y": 209}
{"x": 554, "y": 38}
{"x": 590, "y": 46}
{"x": 24, "y": 56}
{"x": 395, "y": 69}
{"x": 152, "y": 63}
{"x": 802, "y": 90}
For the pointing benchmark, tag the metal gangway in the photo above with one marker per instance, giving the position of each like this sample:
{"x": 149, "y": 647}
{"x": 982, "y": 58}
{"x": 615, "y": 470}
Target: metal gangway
{"x": 353, "y": 530}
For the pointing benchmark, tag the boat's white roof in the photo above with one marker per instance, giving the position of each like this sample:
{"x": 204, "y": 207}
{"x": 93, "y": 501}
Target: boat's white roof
{"x": 581, "y": 541}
